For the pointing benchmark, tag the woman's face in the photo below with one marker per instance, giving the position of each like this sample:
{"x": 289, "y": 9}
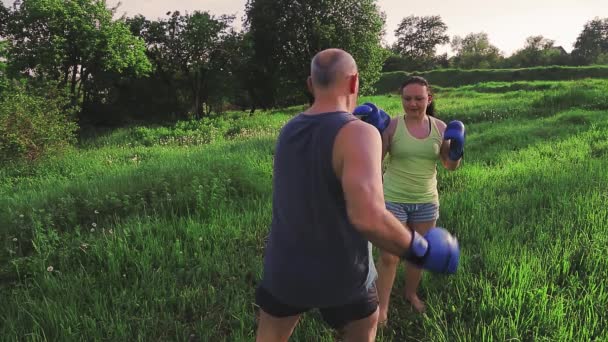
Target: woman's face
{"x": 415, "y": 99}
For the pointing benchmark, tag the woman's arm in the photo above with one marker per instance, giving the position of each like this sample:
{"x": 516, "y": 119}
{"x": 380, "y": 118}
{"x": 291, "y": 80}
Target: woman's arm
{"x": 445, "y": 150}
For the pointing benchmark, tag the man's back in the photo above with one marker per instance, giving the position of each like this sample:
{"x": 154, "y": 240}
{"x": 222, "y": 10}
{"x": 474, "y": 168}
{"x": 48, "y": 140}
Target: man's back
{"x": 314, "y": 256}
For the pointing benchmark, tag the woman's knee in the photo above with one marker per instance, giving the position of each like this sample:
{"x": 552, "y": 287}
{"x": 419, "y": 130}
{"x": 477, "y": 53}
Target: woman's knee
{"x": 388, "y": 259}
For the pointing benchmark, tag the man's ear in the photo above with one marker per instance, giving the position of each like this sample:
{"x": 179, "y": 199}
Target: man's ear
{"x": 353, "y": 84}
{"x": 309, "y": 84}
{"x": 430, "y": 98}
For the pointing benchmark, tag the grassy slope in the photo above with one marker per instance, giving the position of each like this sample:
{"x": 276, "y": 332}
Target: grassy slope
{"x": 149, "y": 242}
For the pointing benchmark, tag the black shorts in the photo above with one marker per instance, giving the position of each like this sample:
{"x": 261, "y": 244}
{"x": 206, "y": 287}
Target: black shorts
{"x": 335, "y": 317}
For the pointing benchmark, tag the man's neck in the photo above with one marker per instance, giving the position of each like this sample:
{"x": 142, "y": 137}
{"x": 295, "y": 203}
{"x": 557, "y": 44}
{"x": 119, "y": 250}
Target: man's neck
{"x": 327, "y": 105}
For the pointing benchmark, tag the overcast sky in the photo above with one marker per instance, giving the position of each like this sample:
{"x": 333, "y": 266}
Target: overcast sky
{"x": 507, "y": 22}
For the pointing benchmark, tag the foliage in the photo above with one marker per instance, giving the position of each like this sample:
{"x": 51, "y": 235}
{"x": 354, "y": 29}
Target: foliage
{"x": 538, "y": 51}
{"x": 474, "y": 51}
{"x": 286, "y": 35}
{"x": 34, "y": 121}
{"x": 192, "y": 55}
{"x": 3, "y": 76}
{"x": 592, "y": 43}
{"x": 417, "y": 40}
{"x": 73, "y": 42}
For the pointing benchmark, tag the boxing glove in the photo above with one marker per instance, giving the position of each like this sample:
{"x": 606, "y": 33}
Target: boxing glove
{"x": 455, "y": 133}
{"x": 369, "y": 113}
{"x": 438, "y": 251}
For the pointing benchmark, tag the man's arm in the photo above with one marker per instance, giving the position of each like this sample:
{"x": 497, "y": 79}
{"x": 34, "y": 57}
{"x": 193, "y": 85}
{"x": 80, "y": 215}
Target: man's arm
{"x": 357, "y": 161}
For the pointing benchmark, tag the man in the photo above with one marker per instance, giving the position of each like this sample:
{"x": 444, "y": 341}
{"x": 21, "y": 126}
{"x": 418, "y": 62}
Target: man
{"x": 327, "y": 205}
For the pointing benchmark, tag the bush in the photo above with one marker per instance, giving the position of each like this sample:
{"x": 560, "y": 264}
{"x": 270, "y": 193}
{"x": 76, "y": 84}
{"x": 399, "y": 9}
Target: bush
{"x": 34, "y": 122}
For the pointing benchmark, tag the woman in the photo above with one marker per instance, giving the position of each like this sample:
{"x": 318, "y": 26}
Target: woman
{"x": 414, "y": 142}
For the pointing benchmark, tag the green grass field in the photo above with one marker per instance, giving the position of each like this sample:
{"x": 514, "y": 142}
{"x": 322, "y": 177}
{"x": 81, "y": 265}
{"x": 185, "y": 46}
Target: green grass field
{"x": 157, "y": 234}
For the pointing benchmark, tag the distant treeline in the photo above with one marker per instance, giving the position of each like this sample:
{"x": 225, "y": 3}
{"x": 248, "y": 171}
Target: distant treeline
{"x": 391, "y": 81}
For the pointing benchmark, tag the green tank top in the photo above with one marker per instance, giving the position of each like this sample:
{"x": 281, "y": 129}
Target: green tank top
{"x": 411, "y": 173}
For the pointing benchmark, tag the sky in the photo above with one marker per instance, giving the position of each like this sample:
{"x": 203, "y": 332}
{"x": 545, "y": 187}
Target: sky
{"x": 507, "y": 22}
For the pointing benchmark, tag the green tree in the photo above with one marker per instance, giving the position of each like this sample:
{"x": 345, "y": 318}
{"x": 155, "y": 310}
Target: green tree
{"x": 475, "y": 51}
{"x": 537, "y": 50}
{"x": 286, "y": 34}
{"x": 592, "y": 42}
{"x": 418, "y": 38}
{"x": 72, "y": 41}
{"x": 191, "y": 54}
{"x": 3, "y": 77}
{"x": 3, "y": 18}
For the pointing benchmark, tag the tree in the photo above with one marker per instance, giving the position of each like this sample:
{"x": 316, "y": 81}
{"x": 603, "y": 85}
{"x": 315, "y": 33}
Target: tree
{"x": 418, "y": 37}
{"x": 3, "y": 19}
{"x": 72, "y": 41}
{"x": 286, "y": 34}
{"x": 191, "y": 54}
{"x": 3, "y": 77}
{"x": 537, "y": 50}
{"x": 475, "y": 51}
{"x": 592, "y": 42}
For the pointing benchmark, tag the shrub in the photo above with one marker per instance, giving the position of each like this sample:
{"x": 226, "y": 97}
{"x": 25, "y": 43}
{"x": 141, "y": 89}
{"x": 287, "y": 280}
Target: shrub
{"x": 34, "y": 122}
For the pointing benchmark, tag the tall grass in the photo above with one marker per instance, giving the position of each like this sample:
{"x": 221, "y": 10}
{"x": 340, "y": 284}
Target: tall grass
{"x": 139, "y": 236}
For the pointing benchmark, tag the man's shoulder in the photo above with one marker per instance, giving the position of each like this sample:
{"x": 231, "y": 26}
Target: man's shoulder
{"x": 356, "y": 133}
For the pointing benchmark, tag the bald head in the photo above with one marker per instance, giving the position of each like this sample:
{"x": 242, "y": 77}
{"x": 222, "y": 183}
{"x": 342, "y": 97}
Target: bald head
{"x": 331, "y": 65}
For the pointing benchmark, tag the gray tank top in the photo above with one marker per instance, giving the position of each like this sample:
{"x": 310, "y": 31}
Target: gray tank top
{"x": 314, "y": 256}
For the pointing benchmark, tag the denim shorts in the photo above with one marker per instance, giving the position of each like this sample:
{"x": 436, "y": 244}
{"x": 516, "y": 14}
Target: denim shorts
{"x": 414, "y": 212}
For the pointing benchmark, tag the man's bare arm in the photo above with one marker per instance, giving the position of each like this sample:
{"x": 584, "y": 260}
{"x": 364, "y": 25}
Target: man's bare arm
{"x": 357, "y": 155}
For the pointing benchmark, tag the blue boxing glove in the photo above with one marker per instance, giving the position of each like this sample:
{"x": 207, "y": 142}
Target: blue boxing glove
{"x": 438, "y": 251}
{"x": 369, "y": 113}
{"x": 455, "y": 132}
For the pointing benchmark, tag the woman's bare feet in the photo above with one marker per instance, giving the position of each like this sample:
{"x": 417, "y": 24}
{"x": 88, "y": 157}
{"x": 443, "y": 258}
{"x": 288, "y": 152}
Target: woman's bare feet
{"x": 416, "y": 303}
{"x": 382, "y": 321}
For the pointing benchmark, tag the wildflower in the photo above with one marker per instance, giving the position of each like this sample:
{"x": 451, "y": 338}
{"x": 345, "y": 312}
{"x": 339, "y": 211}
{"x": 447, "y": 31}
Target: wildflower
{"x": 14, "y": 239}
{"x": 92, "y": 230}
{"x": 20, "y": 215}
{"x": 96, "y": 211}
{"x": 49, "y": 269}
{"x": 94, "y": 225}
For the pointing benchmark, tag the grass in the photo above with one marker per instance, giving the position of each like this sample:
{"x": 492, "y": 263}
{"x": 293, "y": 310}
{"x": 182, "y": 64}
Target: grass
{"x": 158, "y": 233}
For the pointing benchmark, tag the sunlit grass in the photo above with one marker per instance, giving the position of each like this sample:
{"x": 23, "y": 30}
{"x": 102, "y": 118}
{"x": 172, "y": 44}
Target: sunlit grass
{"x": 151, "y": 234}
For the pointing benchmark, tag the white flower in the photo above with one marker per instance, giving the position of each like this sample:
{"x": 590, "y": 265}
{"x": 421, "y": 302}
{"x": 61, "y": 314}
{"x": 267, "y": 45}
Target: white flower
{"x": 94, "y": 225}
{"x": 14, "y": 239}
{"x": 21, "y": 216}
{"x": 49, "y": 269}
{"x": 96, "y": 211}
{"x": 92, "y": 230}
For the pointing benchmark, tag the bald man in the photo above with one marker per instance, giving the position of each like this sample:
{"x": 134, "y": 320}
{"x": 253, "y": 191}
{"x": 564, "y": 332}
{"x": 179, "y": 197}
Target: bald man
{"x": 327, "y": 205}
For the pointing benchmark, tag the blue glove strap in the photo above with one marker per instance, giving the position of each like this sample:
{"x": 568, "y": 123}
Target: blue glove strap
{"x": 418, "y": 248}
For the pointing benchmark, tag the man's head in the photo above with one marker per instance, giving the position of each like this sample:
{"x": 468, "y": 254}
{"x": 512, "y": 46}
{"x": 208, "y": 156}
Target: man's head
{"x": 334, "y": 76}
